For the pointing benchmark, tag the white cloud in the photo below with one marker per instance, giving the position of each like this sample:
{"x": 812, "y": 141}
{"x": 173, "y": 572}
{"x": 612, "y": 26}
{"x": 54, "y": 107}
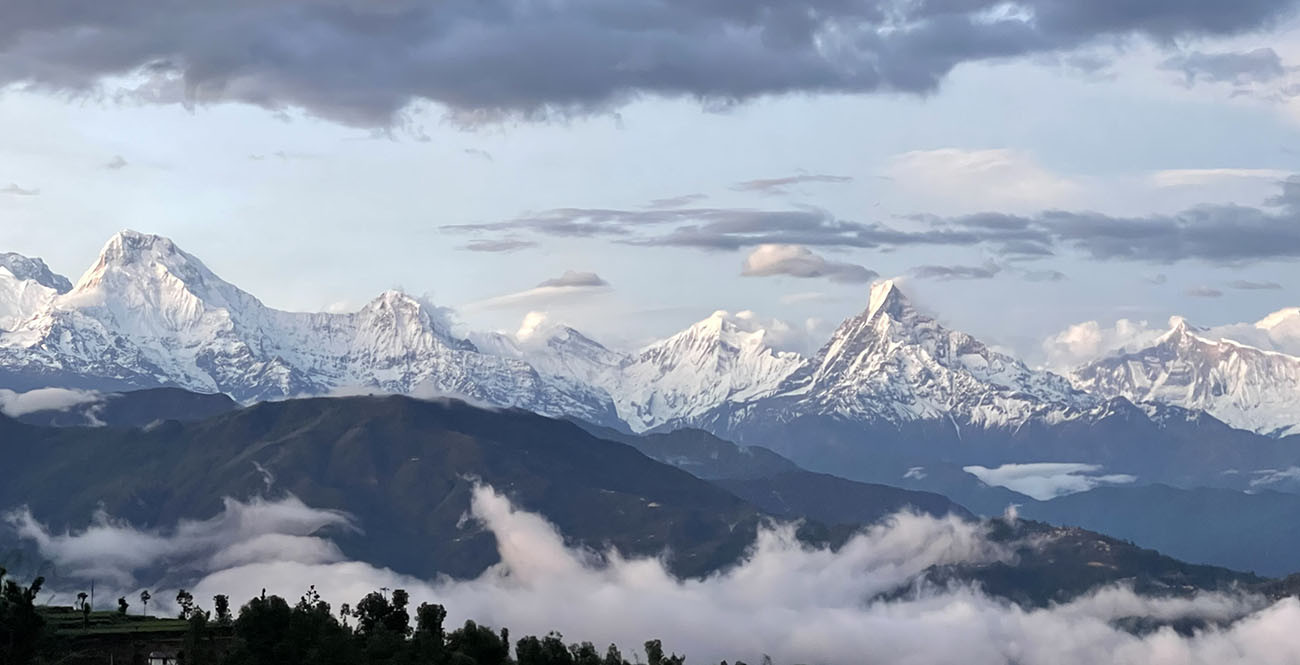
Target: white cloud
{"x": 995, "y": 179}
{"x": 1084, "y": 342}
{"x": 1088, "y": 341}
{"x": 113, "y": 550}
{"x": 794, "y": 603}
{"x": 1204, "y": 177}
{"x": 799, "y": 261}
{"x": 16, "y": 404}
{"x": 1047, "y": 480}
{"x": 569, "y": 287}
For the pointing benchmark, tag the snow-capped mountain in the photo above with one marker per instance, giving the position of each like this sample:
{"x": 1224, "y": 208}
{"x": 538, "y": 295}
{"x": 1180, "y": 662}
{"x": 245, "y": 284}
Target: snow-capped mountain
{"x": 723, "y": 358}
{"x": 1244, "y": 386}
{"x": 891, "y": 363}
{"x": 26, "y": 286}
{"x": 718, "y": 360}
{"x": 149, "y": 314}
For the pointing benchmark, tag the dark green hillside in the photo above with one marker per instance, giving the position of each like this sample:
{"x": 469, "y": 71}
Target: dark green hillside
{"x": 403, "y": 467}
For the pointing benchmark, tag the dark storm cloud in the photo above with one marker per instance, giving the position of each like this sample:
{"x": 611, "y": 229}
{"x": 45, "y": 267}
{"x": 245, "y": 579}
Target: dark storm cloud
{"x": 361, "y": 62}
{"x": 782, "y": 185}
{"x": 502, "y": 245}
{"x": 949, "y": 273}
{"x": 1259, "y": 65}
{"x": 1225, "y": 234}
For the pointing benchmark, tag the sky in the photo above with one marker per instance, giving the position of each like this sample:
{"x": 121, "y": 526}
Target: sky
{"x": 628, "y": 168}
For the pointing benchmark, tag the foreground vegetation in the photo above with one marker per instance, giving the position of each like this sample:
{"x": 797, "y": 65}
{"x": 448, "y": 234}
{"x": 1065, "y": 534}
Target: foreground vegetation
{"x": 267, "y": 630}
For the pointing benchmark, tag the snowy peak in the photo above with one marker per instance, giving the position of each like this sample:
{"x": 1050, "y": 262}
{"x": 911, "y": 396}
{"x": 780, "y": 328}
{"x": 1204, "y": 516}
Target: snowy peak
{"x": 723, "y": 358}
{"x": 895, "y": 364}
{"x": 149, "y": 314}
{"x": 26, "y": 286}
{"x": 887, "y": 300}
{"x": 24, "y": 269}
{"x": 1242, "y": 385}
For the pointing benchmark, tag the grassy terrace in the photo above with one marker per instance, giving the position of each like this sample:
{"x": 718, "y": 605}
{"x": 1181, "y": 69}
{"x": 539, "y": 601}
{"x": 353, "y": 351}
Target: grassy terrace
{"x": 68, "y": 622}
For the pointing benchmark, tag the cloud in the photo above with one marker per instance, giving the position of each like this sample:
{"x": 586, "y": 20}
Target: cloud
{"x": 1247, "y": 285}
{"x": 117, "y": 163}
{"x": 244, "y": 532}
{"x": 1047, "y": 480}
{"x": 501, "y": 245}
{"x": 726, "y": 228}
{"x": 1045, "y": 276}
{"x": 1157, "y": 279}
{"x": 363, "y": 63}
{"x": 1226, "y": 234}
{"x": 801, "y": 262}
{"x": 14, "y": 190}
{"x": 1203, "y": 177}
{"x": 480, "y": 153}
{"x": 575, "y": 279}
{"x": 784, "y": 599}
{"x": 570, "y": 286}
{"x": 996, "y": 178}
{"x": 774, "y": 186}
{"x": 1257, "y": 66}
{"x": 1203, "y": 292}
{"x": 949, "y": 273}
{"x": 676, "y": 201}
{"x": 1088, "y": 341}
{"x": 16, "y": 404}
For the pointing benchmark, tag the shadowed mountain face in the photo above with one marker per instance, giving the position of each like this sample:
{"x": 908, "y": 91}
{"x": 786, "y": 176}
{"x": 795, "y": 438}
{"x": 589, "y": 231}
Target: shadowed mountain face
{"x": 403, "y": 467}
{"x": 137, "y": 408}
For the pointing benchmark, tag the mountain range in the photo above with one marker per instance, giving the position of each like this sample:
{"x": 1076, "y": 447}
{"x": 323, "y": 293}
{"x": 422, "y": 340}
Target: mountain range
{"x": 892, "y": 389}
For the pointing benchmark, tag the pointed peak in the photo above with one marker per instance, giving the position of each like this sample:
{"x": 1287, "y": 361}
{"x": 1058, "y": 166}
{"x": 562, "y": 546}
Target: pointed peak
{"x": 886, "y": 297}
{"x": 1179, "y": 330}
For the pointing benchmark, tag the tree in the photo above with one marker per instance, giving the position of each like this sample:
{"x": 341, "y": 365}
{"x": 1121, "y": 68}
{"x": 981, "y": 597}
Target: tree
{"x": 221, "y": 606}
{"x": 613, "y": 656}
{"x": 22, "y": 629}
{"x": 186, "y": 601}
{"x": 122, "y": 606}
{"x": 144, "y": 599}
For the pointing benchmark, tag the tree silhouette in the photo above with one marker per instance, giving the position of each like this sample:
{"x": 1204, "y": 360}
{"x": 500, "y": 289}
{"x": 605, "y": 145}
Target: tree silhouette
{"x": 122, "y": 606}
{"x": 144, "y": 599}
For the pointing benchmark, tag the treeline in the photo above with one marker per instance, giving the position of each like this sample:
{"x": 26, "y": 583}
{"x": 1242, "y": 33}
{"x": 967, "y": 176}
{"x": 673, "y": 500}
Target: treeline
{"x": 267, "y": 630}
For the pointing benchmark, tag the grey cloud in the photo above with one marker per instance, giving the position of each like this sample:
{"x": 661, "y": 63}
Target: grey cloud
{"x": 116, "y": 163}
{"x": 574, "y": 278}
{"x": 16, "y": 190}
{"x": 949, "y": 273}
{"x": 1045, "y": 276}
{"x": 1259, "y": 65}
{"x": 782, "y": 185}
{"x": 1247, "y": 285}
{"x": 1203, "y": 292}
{"x": 502, "y": 245}
{"x": 676, "y": 201}
{"x": 361, "y": 62}
{"x": 480, "y": 153}
{"x": 1156, "y": 279}
{"x": 797, "y": 261}
{"x": 1225, "y": 234}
